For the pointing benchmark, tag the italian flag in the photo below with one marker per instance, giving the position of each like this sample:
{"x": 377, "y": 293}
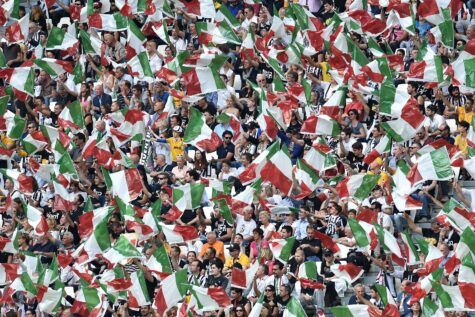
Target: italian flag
{"x": 36, "y": 220}
{"x": 49, "y": 299}
{"x": 431, "y": 166}
{"x": 391, "y": 308}
{"x": 132, "y": 128}
{"x": 161, "y": 30}
{"x": 98, "y": 149}
{"x": 201, "y": 8}
{"x": 358, "y": 186}
{"x": 429, "y": 308}
{"x": 348, "y": 272}
{"x": 401, "y": 130}
{"x": 199, "y": 134}
{"x": 410, "y": 250}
{"x": 233, "y": 122}
{"x": 159, "y": 262}
{"x": 320, "y": 125}
{"x": 320, "y": 157}
{"x": 108, "y": 22}
{"x": 202, "y": 80}
{"x": 92, "y": 45}
{"x": 444, "y": 31}
{"x": 384, "y": 146}
{"x": 72, "y": 116}
{"x": 99, "y": 241}
{"x": 88, "y": 301}
{"x": 356, "y": 311}
{"x": 9, "y": 9}
{"x": 63, "y": 199}
{"x": 188, "y": 196}
{"x": 139, "y": 66}
{"x": 282, "y": 248}
{"x": 18, "y": 30}
{"x": 208, "y": 299}
{"x": 210, "y": 33}
{"x": 458, "y": 216}
{"x": 390, "y": 244}
{"x": 336, "y": 102}
{"x": 9, "y": 272}
{"x": 378, "y": 70}
{"x": 294, "y": 308}
{"x": 20, "y": 78}
{"x": 54, "y": 67}
{"x": 34, "y": 142}
{"x": 243, "y": 279}
{"x": 126, "y": 184}
{"x": 465, "y": 247}
{"x": 309, "y": 270}
{"x": 54, "y": 134}
{"x": 430, "y": 11}
{"x": 13, "y": 124}
{"x": 123, "y": 249}
{"x": 131, "y": 7}
{"x": 135, "y": 41}
{"x": 423, "y": 287}
{"x": 427, "y": 70}
{"x": 253, "y": 171}
{"x": 179, "y": 234}
{"x": 394, "y": 100}
{"x": 60, "y": 40}
{"x": 257, "y": 308}
{"x": 463, "y": 67}
{"x": 21, "y": 182}
{"x": 307, "y": 179}
{"x": 364, "y": 234}
{"x": 456, "y": 298}
{"x": 433, "y": 257}
{"x": 172, "y": 290}
{"x": 138, "y": 293}
{"x": 278, "y": 170}
{"x": 243, "y": 199}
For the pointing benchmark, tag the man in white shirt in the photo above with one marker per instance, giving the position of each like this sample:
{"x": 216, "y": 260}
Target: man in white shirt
{"x": 153, "y": 56}
{"x": 433, "y": 122}
{"x": 245, "y": 224}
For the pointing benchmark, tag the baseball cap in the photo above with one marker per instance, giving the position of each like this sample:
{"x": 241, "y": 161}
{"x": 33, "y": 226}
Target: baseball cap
{"x": 234, "y": 247}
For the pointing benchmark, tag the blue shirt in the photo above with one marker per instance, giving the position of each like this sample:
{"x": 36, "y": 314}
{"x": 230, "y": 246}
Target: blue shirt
{"x": 301, "y": 229}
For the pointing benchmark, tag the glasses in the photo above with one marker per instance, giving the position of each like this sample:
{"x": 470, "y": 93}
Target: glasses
{"x": 227, "y": 138}
{"x": 238, "y": 310}
{"x": 269, "y": 290}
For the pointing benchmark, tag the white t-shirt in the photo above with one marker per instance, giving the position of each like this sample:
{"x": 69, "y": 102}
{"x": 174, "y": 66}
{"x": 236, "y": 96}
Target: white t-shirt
{"x": 245, "y": 227}
{"x": 435, "y": 123}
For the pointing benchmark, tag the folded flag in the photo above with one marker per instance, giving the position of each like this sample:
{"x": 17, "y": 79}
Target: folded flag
{"x": 126, "y": 184}
{"x": 306, "y": 178}
{"x": 211, "y": 298}
{"x": 18, "y": 30}
{"x": 20, "y": 78}
{"x": 243, "y": 279}
{"x": 348, "y": 272}
{"x": 383, "y": 146}
{"x": 159, "y": 262}
{"x": 320, "y": 125}
{"x": 278, "y": 170}
{"x": 60, "y": 40}
{"x": 188, "y": 196}
{"x": 72, "y": 116}
{"x": 431, "y": 166}
{"x": 282, "y": 248}
{"x": 199, "y": 134}
{"x": 390, "y": 244}
{"x": 358, "y": 186}
{"x": 465, "y": 246}
{"x": 172, "y": 290}
{"x": 294, "y": 308}
{"x": 108, "y": 22}
{"x": 179, "y": 234}
{"x": 36, "y": 220}
{"x": 357, "y": 310}
{"x": 364, "y": 233}
{"x": 458, "y": 216}
{"x": 391, "y": 308}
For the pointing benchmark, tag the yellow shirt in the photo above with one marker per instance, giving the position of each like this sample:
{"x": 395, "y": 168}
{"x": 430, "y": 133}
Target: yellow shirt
{"x": 461, "y": 143}
{"x": 6, "y": 140}
{"x": 463, "y": 115}
{"x": 176, "y": 147}
{"x": 326, "y": 77}
{"x": 243, "y": 260}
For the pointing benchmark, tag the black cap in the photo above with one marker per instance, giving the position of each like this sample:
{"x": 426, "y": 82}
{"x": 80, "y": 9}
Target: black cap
{"x": 234, "y": 247}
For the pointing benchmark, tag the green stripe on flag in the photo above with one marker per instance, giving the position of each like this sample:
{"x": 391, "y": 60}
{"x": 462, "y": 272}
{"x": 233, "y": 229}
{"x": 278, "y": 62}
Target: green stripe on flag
{"x": 144, "y": 62}
{"x": 101, "y": 234}
{"x": 120, "y": 21}
{"x": 286, "y": 251}
{"x": 92, "y": 298}
{"x": 135, "y": 29}
{"x": 294, "y": 308}
{"x": 55, "y": 37}
{"x": 311, "y": 270}
{"x": 125, "y": 248}
{"x": 441, "y": 160}
{"x": 429, "y": 308}
{"x": 368, "y": 183}
{"x": 359, "y": 233}
{"x": 469, "y": 65}
{"x": 75, "y": 109}
{"x": 45, "y": 66}
{"x": 17, "y": 131}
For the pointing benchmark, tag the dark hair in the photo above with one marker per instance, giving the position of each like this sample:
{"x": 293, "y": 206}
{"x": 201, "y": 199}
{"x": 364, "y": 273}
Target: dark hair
{"x": 288, "y": 229}
{"x": 227, "y": 132}
{"x": 259, "y": 231}
{"x": 81, "y": 136}
{"x": 218, "y": 264}
{"x": 194, "y": 174}
{"x": 377, "y": 205}
{"x": 348, "y": 131}
{"x": 199, "y": 264}
{"x": 465, "y": 124}
{"x": 280, "y": 265}
{"x": 432, "y": 108}
{"x": 357, "y": 146}
{"x": 138, "y": 87}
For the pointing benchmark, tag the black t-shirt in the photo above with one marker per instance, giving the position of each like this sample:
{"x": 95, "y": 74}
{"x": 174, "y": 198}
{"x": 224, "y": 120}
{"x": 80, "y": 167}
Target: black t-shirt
{"x": 188, "y": 215}
{"x": 282, "y": 304}
{"x": 220, "y": 227}
{"x": 314, "y": 243}
{"x": 356, "y": 162}
{"x": 220, "y": 281}
{"x": 429, "y": 233}
{"x": 47, "y": 247}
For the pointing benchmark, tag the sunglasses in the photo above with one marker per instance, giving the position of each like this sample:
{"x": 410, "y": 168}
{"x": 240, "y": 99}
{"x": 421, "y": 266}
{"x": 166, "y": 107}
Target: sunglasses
{"x": 227, "y": 138}
{"x": 269, "y": 290}
{"x": 162, "y": 178}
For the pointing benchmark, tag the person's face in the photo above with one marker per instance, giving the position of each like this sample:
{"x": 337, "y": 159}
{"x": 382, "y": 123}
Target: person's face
{"x": 192, "y": 267}
{"x": 303, "y": 214}
{"x": 214, "y": 270}
{"x": 276, "y": 270}
{"x": 285, "y": 234}
{"x": 234, "y": 294}
{"x": 191, "y": 257}
{"x": 310, "y": 232}
{"x": 211, "y": 238}
{"x": 413, "y": 149}
{"x": 248, "y": 215}
{"x": 299, "y": 257}
{"x": 359, "y": 291}
{"x": 283, "y": 291}
{"x": 248, "y": 13}
{"x": 373, "y": 294}
{"x": 144, "y": 310}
